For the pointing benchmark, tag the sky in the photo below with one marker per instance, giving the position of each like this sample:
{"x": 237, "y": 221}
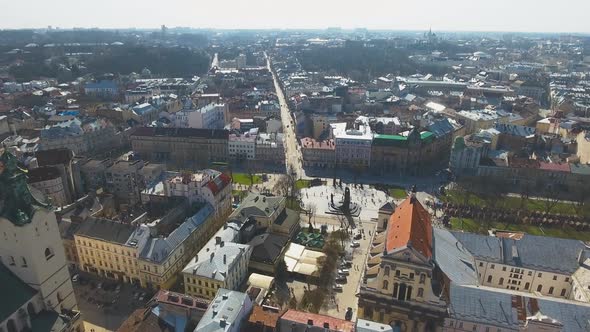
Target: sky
{"x": 441, "y": 15}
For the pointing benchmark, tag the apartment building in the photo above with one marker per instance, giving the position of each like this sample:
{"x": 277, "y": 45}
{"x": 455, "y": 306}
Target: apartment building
{"x": 221, "y": 263}
{"x": 534, "y": 264}
{"x": 212, "y": 116}
{"x": 183, "y": 147}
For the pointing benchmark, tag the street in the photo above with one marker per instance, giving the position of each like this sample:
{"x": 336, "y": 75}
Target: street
{"x": 293, "y": 158}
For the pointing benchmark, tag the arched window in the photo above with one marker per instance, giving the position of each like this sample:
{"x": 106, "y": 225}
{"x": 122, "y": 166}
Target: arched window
{"x": 550, "y": 290}
{"x": 422, "y": 278}
{"x": 385, "y": 284}
{"x": 409, "y": 293}
{"x": 420, "y": 292}
{"x": 539, "y": 288}
{"x": 386, "y": 271}
{"x": 563, "y": 292}
{"x": 489, "y": 278}
{"x": 48, "y": 253}
{"x": 501, "y": 281}
{"x": 395, "y": 286}
{"x": 527, "y": 285}
{"x": 31, "y": 309}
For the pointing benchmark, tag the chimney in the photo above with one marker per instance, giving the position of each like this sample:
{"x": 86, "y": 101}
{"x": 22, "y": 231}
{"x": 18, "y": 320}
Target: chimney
{"x": 212, "y": 255}
{"x": 224, "y": 259}
{"x": 310, "y": 322}
{"x": 217, "y": 239}
{"x": 221, "y": 244}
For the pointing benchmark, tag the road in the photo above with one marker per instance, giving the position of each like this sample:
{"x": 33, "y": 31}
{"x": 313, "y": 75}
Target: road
{"x": 293, "y": 158}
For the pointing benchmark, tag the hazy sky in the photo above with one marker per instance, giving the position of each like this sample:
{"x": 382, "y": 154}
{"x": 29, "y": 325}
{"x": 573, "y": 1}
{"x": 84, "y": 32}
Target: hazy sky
{"x": 475, "y": 15}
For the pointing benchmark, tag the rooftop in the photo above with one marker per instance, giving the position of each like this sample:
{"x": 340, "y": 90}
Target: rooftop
{"x": 317, "y": 320}
{"x": 410, "y": 226}
{"x": 182, "y": 132}
{"x": 15, "y": 292}
{"x": 533, "y": 252}
{"x": 112, "y": 231}
{"x": 224, "y": 310}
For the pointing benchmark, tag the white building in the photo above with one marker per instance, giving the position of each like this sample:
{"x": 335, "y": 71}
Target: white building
{"x": 212, "y": 116}
{"x": 353, "y": 146}
{"x": 242, "y": 146}
{"x": 208, "y": 185}
{"x": 226, "y": 312}
{"x": 48, "y": 181}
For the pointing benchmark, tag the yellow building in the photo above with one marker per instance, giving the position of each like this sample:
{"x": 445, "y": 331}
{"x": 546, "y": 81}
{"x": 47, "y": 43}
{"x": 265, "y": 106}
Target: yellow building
{"x": 110, "y": 249}
{"x": 162, "y": 258}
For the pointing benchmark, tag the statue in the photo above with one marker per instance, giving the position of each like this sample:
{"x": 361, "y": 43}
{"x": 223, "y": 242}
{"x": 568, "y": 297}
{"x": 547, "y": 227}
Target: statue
{"x": 346, "y": 202}
{"x": 17, "y": 202}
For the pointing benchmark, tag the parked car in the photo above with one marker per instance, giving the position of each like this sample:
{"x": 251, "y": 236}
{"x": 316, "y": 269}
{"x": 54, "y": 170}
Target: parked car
{"x": 341, "y": 278}
{"x": 358, "y": 236}
{"x": 337, "y": 287}
{"x": 355, "y": 244}
{"x": 344, "y": 272}
{"x": 76, "y": 277}
{"x": 346, "y": 263}
{"x": 348, "y": 315}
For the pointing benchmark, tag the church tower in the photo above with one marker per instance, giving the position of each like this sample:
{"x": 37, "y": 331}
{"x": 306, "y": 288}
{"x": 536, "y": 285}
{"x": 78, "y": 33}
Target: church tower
{"x": 30, "y": 242}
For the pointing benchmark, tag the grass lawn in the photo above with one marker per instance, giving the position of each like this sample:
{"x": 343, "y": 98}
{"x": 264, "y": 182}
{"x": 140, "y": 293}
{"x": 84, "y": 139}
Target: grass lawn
{"x": 300, "y": 184}
{"x": 243, "y": 178}
{"x": 453, "y": 196}
{"x": 398, "y": 193}
{"x": 470, "y": 225}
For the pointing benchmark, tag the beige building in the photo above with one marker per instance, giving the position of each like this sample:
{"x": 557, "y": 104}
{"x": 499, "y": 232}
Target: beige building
{"x": 110, "y": 249}
{"x": 182, "y": 147}
{"x": 533, "y": 264}
{"x": 583, "y": 152}
{"x": 397, "y": 289}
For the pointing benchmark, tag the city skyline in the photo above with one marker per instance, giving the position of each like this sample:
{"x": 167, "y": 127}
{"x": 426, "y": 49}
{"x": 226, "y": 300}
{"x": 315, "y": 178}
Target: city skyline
{"x": 453, "y": 15}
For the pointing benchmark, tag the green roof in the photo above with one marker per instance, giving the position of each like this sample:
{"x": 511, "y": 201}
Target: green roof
{"x": 48, "y": 321}
{"x": 15, "y": 292}
{"x": 399, "y": 140}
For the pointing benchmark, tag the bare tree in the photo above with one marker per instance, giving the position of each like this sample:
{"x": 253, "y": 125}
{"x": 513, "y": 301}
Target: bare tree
{"x": 311, "y": 211}
{"x": 581, "y": 198}
{"x": 552, "y": 194}
{"x": 282, "y": 185}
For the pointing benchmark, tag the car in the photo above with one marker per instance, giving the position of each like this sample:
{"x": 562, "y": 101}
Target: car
{"x": 347, "y": 262}
{"x": 99, "y": 286}
{"x": 337, "y": 287}
{"x": 354, "y": 244}
{"x": 344, "y": 272}
{"x": 358, "y": 236}
{"x": 341, "y": 278}
{"x": 348, "y": 314}
{"x": 76, "y": 277}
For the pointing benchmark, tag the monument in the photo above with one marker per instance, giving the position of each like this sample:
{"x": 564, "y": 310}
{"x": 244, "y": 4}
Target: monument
{"x": 346, "y": 207}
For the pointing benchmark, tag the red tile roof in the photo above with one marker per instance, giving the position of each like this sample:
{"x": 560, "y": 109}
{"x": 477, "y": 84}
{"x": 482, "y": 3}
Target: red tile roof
{"x": 409, "y": 225}
{"x": 335, "y": 324}
{"x": 556, "y": 167}
{"x": 219, "y": 183}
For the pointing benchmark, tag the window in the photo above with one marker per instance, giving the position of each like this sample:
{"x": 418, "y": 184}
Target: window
{"x": 554, "y": 277}
{"x": 420, "y": 292}
{"x": 501, "y": 281}
{"x": 395, "y": 286}
{"x": 422, "y": 278}
{"x": 530, "y": 273}
{"x": 526, "y": 286}
{"x": 567, "y": 279}
{"x": 49, "y": 253}
{"x": 563, "y": 292}
{"x": 411, "y": 276}
{"x": 492, "y": 266}
{"x": 551, "y": 290}
{"x": 397, "y": 273}
{"x": 386, "y": 271}
{"x": 11, "y": 260}
{"x": 24, "y": 262}
{"x": 385, "y": 284}
{"x": 480, "y": 264}
{"x": 489, "y": 278}
{"x": 539, "y": 288}
{"x": 539, "y": 275}
{"x": 503, "y": 268}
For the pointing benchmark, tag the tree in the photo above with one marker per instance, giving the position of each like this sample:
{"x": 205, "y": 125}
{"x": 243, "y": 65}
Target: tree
{"x": 281, "y": 272}
{"x": 282, "y": 185}
{"x": 581, "y": 198}
{"x": 311, "y": 210}
{"x": 552, "y": 194}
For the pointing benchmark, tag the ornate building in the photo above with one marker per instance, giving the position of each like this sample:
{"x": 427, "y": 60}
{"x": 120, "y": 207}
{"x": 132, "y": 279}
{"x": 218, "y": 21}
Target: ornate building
{"x": 398, "y": 286}
{"x": 33, "y": 272}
